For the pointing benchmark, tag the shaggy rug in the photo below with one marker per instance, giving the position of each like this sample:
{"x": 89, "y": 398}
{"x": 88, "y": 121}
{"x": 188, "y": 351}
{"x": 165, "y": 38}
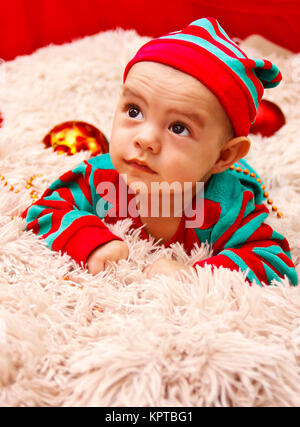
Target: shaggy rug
{"x": 118, "y": 339}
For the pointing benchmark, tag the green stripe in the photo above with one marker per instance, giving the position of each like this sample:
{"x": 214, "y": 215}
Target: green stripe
{"x": 54, "y": 197}
{"x": 102, "y": 207}
{"x": 277, "y": 236}
{"x": 226, "y": 35}
{"x": 33, "y": 212}
{"x": 67, "y": 220}
{"x": 80, "y": 200}
{"x": 266, "y": 75}
{"x": 79, "y": 197}
{"x": 271, "y": 275}
{"x": 203, "y": 235}
{"x": 56, "y": 184}
{"x": 249, "y": 208}
{"x": 223, "y": 188}
{"x": 81, "y": 203}
{"x": 243, "y": 233}
{"x": 249, "y": 182}
{"x": 270, "y": 254}
{"x": 103, "y": 161}
{"x": 45, "y": 224}
{"x": 204, "y": 23}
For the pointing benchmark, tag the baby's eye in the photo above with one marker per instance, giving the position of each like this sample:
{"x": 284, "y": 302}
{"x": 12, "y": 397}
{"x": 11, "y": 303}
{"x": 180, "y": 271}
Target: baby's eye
{"x": 134, "y": 112}
{"x": 180, "y": 129}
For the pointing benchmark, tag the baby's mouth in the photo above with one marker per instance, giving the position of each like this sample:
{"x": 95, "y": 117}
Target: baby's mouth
{"x": 138, "y": 164}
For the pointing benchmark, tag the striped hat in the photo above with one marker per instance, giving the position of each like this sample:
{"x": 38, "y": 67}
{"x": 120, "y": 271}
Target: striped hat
{"x": 206, "y": 52}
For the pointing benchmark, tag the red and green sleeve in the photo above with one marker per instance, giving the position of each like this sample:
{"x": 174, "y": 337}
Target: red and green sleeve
{"x": 65, "y": 216}
{"x": 240, "y": 238}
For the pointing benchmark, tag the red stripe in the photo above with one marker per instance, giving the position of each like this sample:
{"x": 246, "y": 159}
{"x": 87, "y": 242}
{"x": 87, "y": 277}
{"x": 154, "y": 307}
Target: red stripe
{"x": 108, "y": 175}
{"x": 44, "y": 212}
{"x": 253, "y": 262}
{"x": 84, "y": 241}
{"x": 278, "y": 78}
{"x": 86, "y": 188}
{"x": 34, "y": 226}
{"x": 272, "y": 268}
{"x": 263, "y": 235}
{"x": 204, "y": 34}
{"x": 66, "y": 194}
{"x": 211, "y": 213}
{"x": 284, "y": 244}
{"x": 259, "y": 209}
{"x": 47, "y": 193}
{"x": 264, "y": 232}
{"x": 257, "y": 244}
{"x": 68, "y": 177}
{"x": 24, "y": 213}
{"x": 228, "y": 40}
{"x": 74, "y": 227}
{"x": 56, "y": 204}
{"x": 56, "y": 220}
{"x": 219, "y": 244}
{"x": 287, "y": 260}
{"x": 267, "y": 64}
{"x": 249, "y": 65}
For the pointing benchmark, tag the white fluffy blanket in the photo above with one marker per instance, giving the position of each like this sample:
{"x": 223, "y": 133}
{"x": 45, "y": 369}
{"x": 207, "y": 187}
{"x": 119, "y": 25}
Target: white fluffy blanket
{"x": 70, "y": 339}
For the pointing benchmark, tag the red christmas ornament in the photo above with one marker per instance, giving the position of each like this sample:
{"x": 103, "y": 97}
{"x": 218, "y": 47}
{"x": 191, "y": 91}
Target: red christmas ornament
{"x": 269, "y": 119}
{"x": 1, "y": 119}
{"x": 72, "y": 137}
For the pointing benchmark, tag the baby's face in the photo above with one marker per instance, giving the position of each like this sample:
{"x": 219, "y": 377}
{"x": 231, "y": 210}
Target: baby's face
{"x": 169, "y": 121}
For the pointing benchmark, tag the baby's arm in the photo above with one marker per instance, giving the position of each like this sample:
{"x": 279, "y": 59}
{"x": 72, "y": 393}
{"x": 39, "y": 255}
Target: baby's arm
{"x": 65, "y": 216}
{"x": 249, "y": 243}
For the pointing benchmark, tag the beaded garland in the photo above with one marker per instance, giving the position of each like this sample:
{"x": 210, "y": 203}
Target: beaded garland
{"x": 29, "y": 183}
{"x": 270, "y": 202}
{"x": 34, "y": 196}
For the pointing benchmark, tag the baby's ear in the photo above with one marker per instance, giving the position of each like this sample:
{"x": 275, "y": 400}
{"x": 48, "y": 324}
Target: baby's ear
{"x": 232, "y": 151}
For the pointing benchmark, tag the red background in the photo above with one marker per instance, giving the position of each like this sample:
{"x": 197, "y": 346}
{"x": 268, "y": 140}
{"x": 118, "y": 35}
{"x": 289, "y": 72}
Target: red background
{"x": 26, "y": 25}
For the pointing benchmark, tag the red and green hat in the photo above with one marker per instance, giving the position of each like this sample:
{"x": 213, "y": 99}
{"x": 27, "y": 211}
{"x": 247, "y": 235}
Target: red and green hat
{"x": 206, "y": 52}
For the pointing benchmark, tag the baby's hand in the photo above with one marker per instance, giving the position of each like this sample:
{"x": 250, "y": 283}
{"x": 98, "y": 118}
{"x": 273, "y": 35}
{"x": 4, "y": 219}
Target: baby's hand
{"x": 166, "y": 266}
{"x": 111, "y": 251}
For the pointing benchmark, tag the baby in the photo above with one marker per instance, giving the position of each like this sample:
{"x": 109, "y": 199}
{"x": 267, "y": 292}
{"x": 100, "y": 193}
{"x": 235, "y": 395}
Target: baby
{"x": 183, "y": 118}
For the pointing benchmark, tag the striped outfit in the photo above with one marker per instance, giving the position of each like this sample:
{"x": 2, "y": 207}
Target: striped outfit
{"x": 69, "y": 217}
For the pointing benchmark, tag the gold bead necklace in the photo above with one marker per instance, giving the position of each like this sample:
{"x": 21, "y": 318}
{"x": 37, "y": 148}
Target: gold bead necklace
{"x": 238, "y": 169}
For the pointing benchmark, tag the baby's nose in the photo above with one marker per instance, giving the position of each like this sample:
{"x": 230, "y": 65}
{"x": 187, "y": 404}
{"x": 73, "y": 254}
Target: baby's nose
{"x": 148, "y": 141}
